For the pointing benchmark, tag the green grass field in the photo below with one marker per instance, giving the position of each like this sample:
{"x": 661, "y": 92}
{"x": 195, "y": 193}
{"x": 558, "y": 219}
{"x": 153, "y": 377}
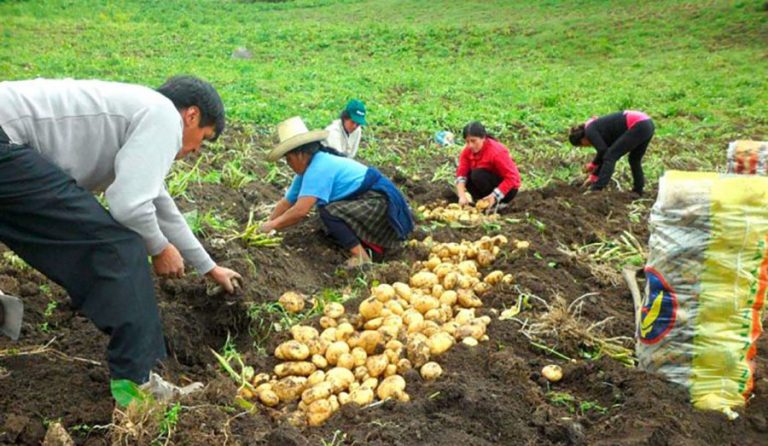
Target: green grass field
{"x": 699, "y": 68}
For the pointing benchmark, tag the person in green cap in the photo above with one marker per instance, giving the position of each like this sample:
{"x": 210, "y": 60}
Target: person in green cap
{"x": 344, "y": 133}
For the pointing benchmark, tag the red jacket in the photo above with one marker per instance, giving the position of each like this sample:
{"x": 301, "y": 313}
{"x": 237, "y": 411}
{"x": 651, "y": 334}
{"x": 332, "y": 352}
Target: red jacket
{"x": 494, "y": 157}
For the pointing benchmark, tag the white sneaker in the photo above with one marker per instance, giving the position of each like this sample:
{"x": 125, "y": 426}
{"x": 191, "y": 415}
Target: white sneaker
{"x": 162, "y": 390}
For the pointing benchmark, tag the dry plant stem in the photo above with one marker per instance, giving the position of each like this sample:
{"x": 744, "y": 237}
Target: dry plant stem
{"x": 42, "y": 350}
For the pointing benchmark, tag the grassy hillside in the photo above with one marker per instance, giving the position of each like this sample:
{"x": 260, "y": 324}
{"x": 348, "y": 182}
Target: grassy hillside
{"x": 697, "y": 67}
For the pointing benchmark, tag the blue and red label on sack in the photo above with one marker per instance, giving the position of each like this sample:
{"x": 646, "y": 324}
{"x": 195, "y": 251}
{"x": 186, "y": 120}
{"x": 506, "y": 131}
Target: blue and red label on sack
{"x": 659, "y": 312}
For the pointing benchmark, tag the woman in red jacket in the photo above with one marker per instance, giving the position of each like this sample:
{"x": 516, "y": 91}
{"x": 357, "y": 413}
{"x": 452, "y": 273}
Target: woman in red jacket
{"x": 486, "y": 170}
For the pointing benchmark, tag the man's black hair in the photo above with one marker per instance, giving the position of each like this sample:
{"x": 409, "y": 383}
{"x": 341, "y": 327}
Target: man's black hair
{"x": 188, "y": 91}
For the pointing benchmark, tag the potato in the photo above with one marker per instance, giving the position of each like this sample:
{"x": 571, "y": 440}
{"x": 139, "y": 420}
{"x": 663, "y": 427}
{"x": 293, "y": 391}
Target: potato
{"x": 500, "y": 240}
{"x": 318, "y": 391}
{"x": 369, "y": 341}
{"x": 432, "y": 263}
{"x": 553, "y": 373}
{"x": 327, "y": 322}
{"x": 412, "y": 315}
{"x": 376, "y": 365}
{"x": 371, "y": 308}
{"x": 370, "y": 383}
{"x": 474, "y": 329}
{"x": 485, "y": 320}
{"x": 403, "y": 366}
{"x": 392, "y": 356}
{"x": 426, "y": 303}
{"x": 260, "y": 379}
{"x": 430, "y": 328}
{"x": 423, "y": 280}
{"x": 443, "y": 270}
{"x": 394, "y": 345}
{"x": 318, "y": 346}
{"x": 395, "y": 307}
{"x": 465, "y": 316}
{"x": 346, "y": 360}
{"x": 361, "y": 373}
{"x": 316, "y": 377}
{"x": 340, "y": 378}
{"x": 416, "y": 327}
{"x": 297, "y": 418}
{"x": 359, "y": 355}
{"x": 343, "y": 398}
{"x": 245, "y": 393}
{"x": 269, "y": 398}
{"x": 318, "y": 412}
{"x": 468, "y": 299}
{"x": 450, "y": 280}
{"x": 333, "y": 310}
{"x": 417, "y": 352}
{"x": 390, "y": 370}
{"x": 335, "y": 350}
{"x": 344, "y": 331}
{"x": 289, "y": 388}
{"x": 493, "y": 278}
{"x": 450, "y": 327}
{"x": 431, "y": 370}
{"x": 481, "y": 288}
{"x": 464, "y": 283}
{"x": 292, "y": 351}
{"x": 383, "y": 292}
{"x": 303, "y": 333}
{"x": 391, "y": 387}
{"x": 292, "y": 301}
{"x": 468, "y": 268}
{"x": 374, "y": 324}
{"x": 389, "y": 331}
{"x": 402, "y": 290}
{"x": 485, "y": 258}
{"x": 439, "y": 343}
{"x": 298, "y": 368}
{"x": 469, "y": 342}
{"x": 508, "y": 279}
{"x": 329, "y": 334}
{"x": 334, "y": 400}
{"x": 362, "y": 396}
{"x": 437, "y": 291}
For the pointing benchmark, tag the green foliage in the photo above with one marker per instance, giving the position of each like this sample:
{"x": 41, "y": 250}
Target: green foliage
{"x": 208, "y": 224}
{"x": 15, "y": 261}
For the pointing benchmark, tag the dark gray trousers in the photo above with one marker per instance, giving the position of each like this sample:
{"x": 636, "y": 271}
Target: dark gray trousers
{"x": 63, "y": 232}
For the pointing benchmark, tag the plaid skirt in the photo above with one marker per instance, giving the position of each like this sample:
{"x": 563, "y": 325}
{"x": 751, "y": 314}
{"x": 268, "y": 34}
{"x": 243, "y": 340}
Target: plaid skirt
{"x": 366, "y": 215}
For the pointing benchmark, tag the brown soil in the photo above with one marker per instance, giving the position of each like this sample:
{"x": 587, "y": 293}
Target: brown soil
{"x": 491, "y": 394}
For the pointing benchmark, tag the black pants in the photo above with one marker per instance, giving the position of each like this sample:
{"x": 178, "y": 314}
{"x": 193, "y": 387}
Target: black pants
{"x": 62, "y": 231}
{"x": 339, "y": 229}
{"x": 635, "y": 142}
{"x": 481, "y": 183}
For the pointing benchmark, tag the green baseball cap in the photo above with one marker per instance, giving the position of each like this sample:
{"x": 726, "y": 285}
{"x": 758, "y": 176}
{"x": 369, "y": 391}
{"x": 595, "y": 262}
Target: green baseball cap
{"x": 356, "y": 110}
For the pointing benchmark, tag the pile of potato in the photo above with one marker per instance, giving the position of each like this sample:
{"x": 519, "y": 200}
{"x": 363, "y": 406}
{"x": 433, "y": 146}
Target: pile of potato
{"x": 455, "y": 213}
{"x": 357, "y": 358}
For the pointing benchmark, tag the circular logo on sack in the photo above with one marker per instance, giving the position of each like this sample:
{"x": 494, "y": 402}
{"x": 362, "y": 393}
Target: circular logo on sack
{"x": 659, "y": 310}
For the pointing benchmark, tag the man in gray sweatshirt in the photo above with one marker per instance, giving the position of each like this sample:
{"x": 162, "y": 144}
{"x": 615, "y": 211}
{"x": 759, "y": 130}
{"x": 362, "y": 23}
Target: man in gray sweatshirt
{"x": 60, "y": 139}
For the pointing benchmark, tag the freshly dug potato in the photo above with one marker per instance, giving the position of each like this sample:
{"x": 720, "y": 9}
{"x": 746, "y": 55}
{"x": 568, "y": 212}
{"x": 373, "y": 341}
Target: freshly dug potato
{"x": 500, "y": 240}
{"x": 437, "y": 291}
{"x": 389, "y": 331}
{"x": 395, "y": 307}
{"x": 434, "y": 314}
{"x": 450, "y": 280}
{"x": 440, "y": 343}
{"x": 485, "y": 320}
{"x": 260, "y": 379}
{"x": 318, "y": 346}
{"x": 340, "y": 378}
{"x": 318, "y": 412}
{"x": 346, "y": 360}
{"x": 481, "y": 288}
{"x": 402, "y": 290}
{"x": 328, "y": 322}
{"x": 430, "y": 328}
{"x": 508, "y": 279}
{"x": 473, "y": 329}
{"x": 343, "y": 398}
{"x": 391, "y": 387}
{"x": 465, "y": 282}
{"x": 344, "y": 331}
{"x": 450, "y": 327}
{"x": 292, "y": 301}
{"x": 394, "y": 345}
{"x": 335, "y": 350}
{"x": 403, "y": 366}
{"x": 361, "y": 373}
{"x": 333, "y": 310}
{"x": 329, "y": 334}
{"x": 297, "y": 368}
{"x": 468, "y": 299}
{"x": 297, "y": 418}
{"x": 269, "y": 398}
{"x": 304, "y": 333}
{"x": 443, "y": 270}
{"x": 334, "y": 400}
{"x": 383, "y": 292}
{"x": 553, "y": 373}
{"x": 370, "y": 383}
{"x": 390, "y": 370}
{"x": 449, "y": 298}
{"x": 465, "y": 316}
{"x": 289, "y": 388}
{"x": 485, "y": 258}
{"x": 412, "y": 315}
{"x": 292, "y": 351}
{"x": 374, "y": 323}
{"x": 417, "y": 351}
{"x": 493, "y": 278}
{"x": 423, "y": 280}
{"x": 469, "y": 342}
{"x": 369, "y": 340}
{"x": 316, "y": 392}
{"x": 359, "y": 355}
{"x": 431, "y": 370}
{"x": 425, "y": 303}
{"x": 376, "y": 365}
{"x": 468, "y": 268}
{"x": 316, "y": 377}
{"x": 362, "y": 396}
{"x": 371, "y": 308}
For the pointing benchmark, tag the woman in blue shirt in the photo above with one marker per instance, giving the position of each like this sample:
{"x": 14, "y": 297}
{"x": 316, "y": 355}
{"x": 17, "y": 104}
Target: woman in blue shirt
{"x": 360, "y": 207}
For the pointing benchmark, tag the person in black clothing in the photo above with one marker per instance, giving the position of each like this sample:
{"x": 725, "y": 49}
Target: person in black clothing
{"x": 613, "y": 136}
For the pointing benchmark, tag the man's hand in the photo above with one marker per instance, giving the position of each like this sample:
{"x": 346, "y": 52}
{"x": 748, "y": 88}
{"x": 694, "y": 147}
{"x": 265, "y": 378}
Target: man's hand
{"x": 169, "y": 262}
{"x": 228, "y": 279}
{"x": 491, "y": 199}
{"x": 463, "y": 199}
{"x": 267, "y": 227}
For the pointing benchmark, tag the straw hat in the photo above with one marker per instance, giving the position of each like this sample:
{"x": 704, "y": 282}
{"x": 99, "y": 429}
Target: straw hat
{"x": 293, "y": 133}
